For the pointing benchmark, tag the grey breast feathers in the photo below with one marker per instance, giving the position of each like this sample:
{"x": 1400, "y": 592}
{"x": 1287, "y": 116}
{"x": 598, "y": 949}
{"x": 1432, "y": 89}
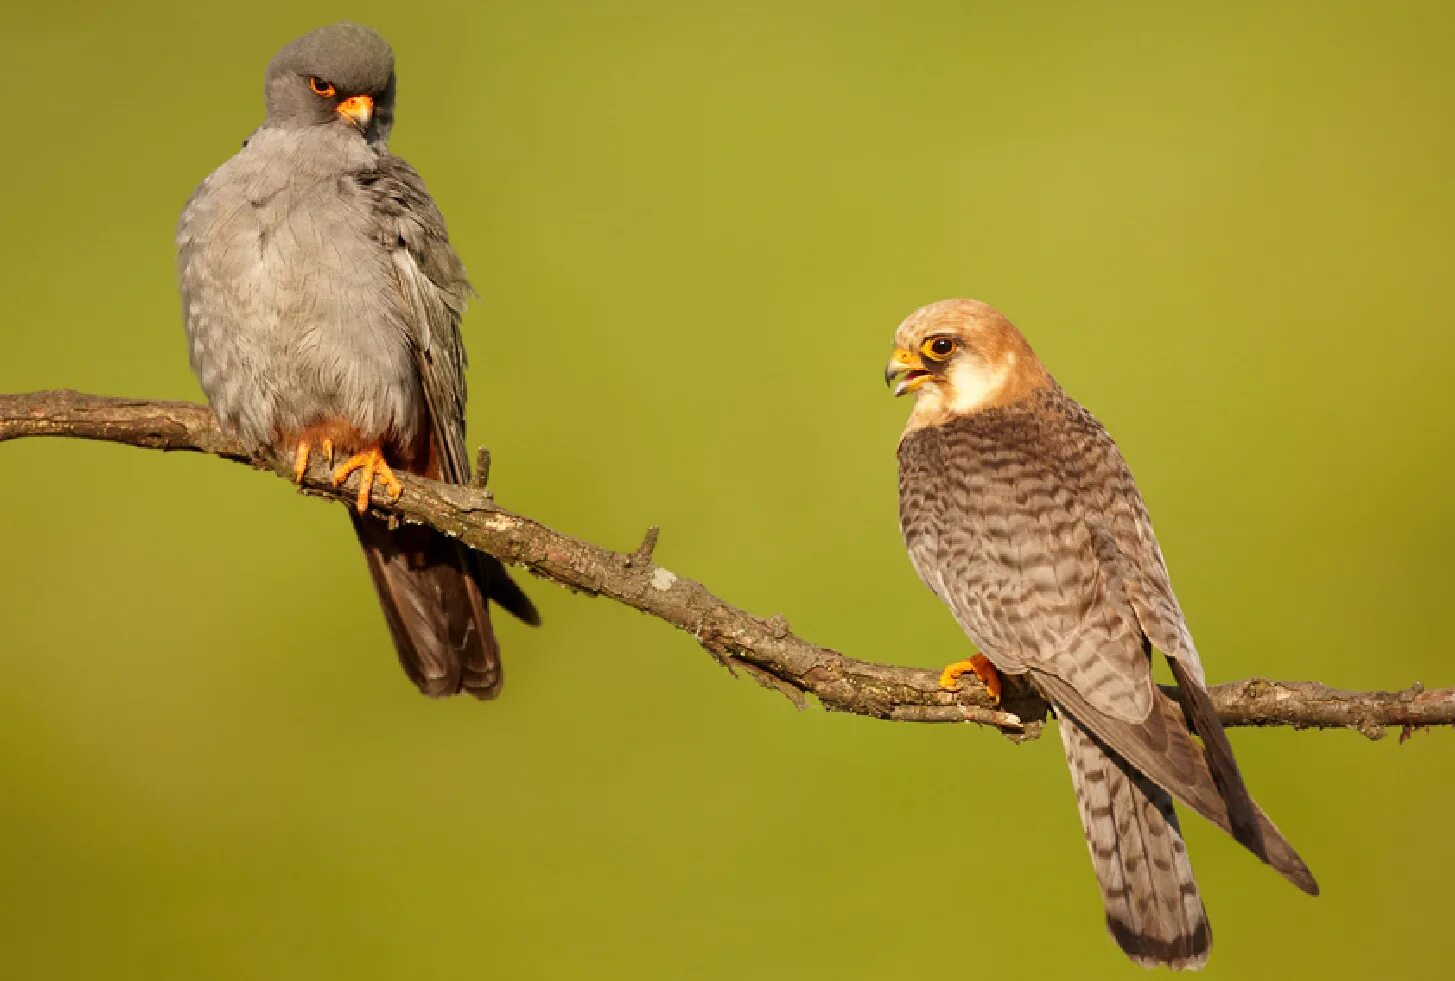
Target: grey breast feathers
{"x": 289, "y": 300}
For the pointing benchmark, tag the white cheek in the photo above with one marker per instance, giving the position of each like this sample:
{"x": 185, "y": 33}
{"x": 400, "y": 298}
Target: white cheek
{"x": 968, "y": 386}
{"x": 971, "y": 384}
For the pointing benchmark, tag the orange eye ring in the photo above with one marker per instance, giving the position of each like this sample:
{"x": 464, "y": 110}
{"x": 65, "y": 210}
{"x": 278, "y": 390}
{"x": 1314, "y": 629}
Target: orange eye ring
{"x": 939, "y": 348}
{"x": 320, "y": 87}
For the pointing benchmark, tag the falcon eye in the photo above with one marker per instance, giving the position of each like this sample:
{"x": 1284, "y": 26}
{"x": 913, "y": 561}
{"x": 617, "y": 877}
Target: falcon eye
{"x": 320, "y": 87}
{"x": 938, "y": 348}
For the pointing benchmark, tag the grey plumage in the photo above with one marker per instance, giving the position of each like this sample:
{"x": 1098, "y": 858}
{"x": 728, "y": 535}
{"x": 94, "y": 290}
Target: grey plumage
{"x": 1019, "y": 512}
{"x": 322, "y": 300}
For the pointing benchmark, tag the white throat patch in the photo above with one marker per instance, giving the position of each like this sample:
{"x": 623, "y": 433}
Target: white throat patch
{"x": 969, "y": 386}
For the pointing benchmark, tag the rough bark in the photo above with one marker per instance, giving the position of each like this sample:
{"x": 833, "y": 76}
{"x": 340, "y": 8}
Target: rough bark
{"x": 764, "y": 648}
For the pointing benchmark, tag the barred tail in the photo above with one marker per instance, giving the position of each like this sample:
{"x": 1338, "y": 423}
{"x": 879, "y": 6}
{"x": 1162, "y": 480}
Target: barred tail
{"x": 1153, "y": 908}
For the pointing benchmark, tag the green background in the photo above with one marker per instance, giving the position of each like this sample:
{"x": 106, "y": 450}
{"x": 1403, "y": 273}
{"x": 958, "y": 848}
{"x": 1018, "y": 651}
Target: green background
{"x": 1227, "y": 230}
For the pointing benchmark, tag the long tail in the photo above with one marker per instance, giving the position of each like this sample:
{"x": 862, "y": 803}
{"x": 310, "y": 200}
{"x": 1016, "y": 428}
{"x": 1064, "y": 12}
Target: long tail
{"x": 1206, "y": 780}
{"x": 1153, "y": 908}
{"x": 434, "y": 592}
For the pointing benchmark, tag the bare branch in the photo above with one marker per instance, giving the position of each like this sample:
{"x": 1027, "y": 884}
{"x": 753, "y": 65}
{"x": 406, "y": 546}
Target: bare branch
{"x": 645, "y": 550}
{"x": 766, "y": 648}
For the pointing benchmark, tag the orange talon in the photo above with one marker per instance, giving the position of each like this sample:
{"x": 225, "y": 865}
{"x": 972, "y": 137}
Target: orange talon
{"x": 371, "y": 462}
{"x": 327, "y": 450}
{"x": 300, "y": 462}
{"x": 980, "y": 666}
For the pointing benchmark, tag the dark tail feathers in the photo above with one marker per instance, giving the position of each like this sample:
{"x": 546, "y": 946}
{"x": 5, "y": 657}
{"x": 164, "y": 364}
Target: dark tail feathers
{"x": 434, "y": 594}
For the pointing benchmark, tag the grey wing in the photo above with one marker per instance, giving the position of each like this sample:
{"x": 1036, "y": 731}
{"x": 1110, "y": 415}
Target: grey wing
{"x": 998, "y": 531}
{"x": 433, "y": 289}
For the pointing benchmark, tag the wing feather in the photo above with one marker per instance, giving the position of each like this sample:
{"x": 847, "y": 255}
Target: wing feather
{"x": 997, "y": 525}
{"x": 433, "y": 290}
{"x": 1026, "y": 522}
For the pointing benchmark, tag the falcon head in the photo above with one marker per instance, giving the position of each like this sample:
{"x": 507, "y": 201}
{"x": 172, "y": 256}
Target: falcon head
{"x": 338, "y": 76}
{"x": 959, "y": 357}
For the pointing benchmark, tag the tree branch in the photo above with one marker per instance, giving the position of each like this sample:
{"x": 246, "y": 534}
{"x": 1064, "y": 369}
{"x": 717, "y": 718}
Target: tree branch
{"x": 766, "y": 649}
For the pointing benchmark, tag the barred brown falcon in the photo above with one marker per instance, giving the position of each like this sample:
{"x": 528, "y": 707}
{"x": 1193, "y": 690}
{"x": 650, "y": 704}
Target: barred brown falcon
{"x": 1020, "y": 513}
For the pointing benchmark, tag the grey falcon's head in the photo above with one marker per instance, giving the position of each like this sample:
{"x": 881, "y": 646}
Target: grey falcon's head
{"x": 339, "y": 76}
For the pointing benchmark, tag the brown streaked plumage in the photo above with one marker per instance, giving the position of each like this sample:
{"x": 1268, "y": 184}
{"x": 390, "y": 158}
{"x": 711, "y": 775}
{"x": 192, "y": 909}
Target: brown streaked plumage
{"x": 1019, "y": 512}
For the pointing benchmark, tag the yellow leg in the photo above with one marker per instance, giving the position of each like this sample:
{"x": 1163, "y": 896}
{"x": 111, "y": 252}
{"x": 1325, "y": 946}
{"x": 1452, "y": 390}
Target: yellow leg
{"x": 980, "y": 666}
{"x": 371, "y": 462}
{"x": 327, "y": 450}
{"x": 300, "y": 462}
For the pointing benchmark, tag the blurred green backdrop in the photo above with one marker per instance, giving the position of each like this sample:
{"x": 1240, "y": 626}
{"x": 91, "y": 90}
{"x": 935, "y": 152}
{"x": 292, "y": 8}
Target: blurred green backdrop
{"x": 1228, "y": 231}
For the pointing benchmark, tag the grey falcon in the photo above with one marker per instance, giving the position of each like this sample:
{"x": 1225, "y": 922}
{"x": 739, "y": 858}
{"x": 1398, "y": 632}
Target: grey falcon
{"x": 322, "y": 302}
{"x": 1020, "y": 513}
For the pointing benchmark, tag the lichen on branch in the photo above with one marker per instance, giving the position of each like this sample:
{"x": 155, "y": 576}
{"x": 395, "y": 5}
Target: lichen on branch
{"x": 764, "y": 648}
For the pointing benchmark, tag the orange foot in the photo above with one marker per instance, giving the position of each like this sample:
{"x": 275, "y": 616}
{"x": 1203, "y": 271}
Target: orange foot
{"x": 371, "y": 462}
{"x": 981, "y": 667}
{"x": 300, "y": 457}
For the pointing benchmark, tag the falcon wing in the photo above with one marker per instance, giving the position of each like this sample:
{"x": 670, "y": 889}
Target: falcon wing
{"x": 996, "y": 525}
{"x": 1106, "y": 484}
{"x": 433, "y": 290}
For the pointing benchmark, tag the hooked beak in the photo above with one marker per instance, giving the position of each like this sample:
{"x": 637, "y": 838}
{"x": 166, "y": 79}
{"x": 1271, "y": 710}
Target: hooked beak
{"x": 358, "y": 110}
{"x": 908, "y": 368}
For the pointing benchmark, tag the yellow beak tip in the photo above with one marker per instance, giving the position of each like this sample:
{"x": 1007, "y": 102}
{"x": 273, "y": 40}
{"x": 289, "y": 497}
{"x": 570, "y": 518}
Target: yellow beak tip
{"x": 903, "y": 363}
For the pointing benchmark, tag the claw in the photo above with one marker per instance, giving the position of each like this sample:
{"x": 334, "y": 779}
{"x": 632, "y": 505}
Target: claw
{"x": 327, "y": 450}
{"x": 371, "y": 462}
{"x": 300, "y": 461}
{"x": 980, "y": 666}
